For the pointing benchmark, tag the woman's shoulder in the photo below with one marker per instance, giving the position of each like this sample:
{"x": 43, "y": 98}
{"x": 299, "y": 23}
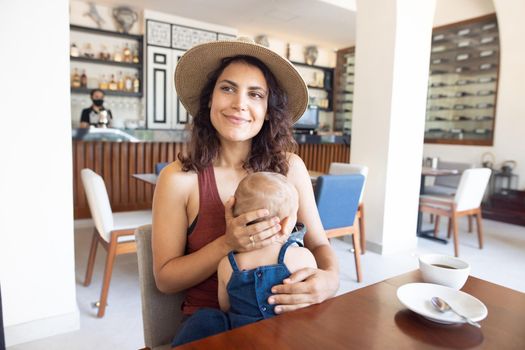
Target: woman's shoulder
{"x": 173, "y": 174}
{"x": 296, "y": 165}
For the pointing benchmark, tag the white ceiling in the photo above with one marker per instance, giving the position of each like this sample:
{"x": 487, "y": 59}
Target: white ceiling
{"x": 326, "y": 23}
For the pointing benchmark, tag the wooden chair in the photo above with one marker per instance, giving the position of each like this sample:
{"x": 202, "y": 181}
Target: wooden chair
{"x": 337, "y": 198}
{"x": 348, "y": 168}
{"x": 465, "y": 202}
{"x": 113, "y": 231}
{"x": 161, "y": 313}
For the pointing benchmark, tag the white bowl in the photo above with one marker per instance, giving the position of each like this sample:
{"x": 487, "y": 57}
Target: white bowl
{"x": 444, "y": 270}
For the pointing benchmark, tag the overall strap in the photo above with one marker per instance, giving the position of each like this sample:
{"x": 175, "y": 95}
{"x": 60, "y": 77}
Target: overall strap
{"x": 280, "y": 259}
{"x": 233, "y": 263}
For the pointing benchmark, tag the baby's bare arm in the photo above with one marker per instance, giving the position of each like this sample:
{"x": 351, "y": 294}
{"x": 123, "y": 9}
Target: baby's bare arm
{"x": 224, "y": 272}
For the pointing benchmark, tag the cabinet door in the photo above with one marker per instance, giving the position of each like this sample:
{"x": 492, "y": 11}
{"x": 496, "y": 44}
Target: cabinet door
{"x": 164, "y": 108}
{"x": 181, "y": 116}
{"x": 160, "y": 89}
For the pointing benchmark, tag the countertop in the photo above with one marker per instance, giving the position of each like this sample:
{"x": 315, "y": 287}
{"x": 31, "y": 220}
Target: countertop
{"x": 181, "y": 136}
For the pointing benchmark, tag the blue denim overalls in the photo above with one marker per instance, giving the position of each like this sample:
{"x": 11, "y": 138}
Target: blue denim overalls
{"x": 248, "y": 292}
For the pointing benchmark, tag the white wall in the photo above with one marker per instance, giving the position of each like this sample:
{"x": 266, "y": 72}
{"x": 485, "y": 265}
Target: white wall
{"x": 36, "y": 201}
{"x": 509, "y": 131}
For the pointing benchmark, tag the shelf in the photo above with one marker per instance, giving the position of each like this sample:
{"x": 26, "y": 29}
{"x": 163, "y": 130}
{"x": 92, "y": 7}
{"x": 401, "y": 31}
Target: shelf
{"x": 300, "y": 64}
{"x": 105, "y": 32}
{"x": 445, "y": 82}
{"x": 107, "y": 92}
{"x": 328, "y": 89}
{"x": 105, "y": 62}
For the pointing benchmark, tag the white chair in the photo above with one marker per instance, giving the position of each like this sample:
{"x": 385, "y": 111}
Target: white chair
{"x": 466, "y": 202}
{"x": 349, "y": 168}
{"x": 113, "y": 231}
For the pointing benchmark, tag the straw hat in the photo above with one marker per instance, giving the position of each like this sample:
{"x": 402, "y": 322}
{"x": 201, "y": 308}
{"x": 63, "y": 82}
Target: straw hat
{"x": 197, "y": 63}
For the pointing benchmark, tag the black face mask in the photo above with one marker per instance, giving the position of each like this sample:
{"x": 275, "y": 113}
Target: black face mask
{"x": 98, "y": 103}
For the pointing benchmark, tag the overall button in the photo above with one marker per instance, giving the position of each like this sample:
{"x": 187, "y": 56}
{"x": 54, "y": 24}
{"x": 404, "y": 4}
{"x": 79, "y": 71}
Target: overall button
{"x": 263, "y": 308}
{"x": 259, "y": 274}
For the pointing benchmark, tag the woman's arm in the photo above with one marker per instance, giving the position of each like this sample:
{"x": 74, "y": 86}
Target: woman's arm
{"x": 308, "y": 286}
{"x": 175, "y": 271}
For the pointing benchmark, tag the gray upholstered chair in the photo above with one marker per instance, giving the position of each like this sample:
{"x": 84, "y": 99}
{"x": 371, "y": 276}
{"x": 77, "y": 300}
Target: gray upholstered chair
{"x": 447, "y": 185}
{"x": 161, "y": 313}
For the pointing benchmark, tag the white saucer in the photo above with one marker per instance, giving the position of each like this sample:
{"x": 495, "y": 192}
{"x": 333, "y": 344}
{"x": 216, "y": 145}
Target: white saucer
{"x": 416, "y": 297}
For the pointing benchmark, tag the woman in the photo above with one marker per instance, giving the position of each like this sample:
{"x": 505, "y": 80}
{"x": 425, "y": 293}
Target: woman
{"x": 243, "y": 113}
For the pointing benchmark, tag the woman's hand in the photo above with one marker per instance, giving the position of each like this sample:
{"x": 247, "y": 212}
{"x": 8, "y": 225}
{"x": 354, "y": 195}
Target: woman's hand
{"x": 303, "y": 288}
{"x": 242, "y": 237}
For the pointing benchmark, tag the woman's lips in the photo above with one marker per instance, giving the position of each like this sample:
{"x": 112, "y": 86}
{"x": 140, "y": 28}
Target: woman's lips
{"x": 236, "y": 119}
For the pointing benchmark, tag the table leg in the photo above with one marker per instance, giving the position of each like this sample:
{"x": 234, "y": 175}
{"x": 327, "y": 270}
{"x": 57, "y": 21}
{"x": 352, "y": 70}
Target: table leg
{"x": 428, "y": 234}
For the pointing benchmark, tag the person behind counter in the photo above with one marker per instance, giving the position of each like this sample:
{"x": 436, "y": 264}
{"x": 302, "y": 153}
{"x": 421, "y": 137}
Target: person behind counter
{"x": 96, "y": 114}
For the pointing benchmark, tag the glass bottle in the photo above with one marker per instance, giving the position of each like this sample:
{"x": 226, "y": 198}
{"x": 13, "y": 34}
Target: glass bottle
{"x": 103, "y": 85}
{"x": 126, "y": 53}
{"x": 128, "y": 83}
{"x": 136, "y": 84}
{"x": 117, "y": 56}
{"x": 83, "y": 79}
{"x": 75, "y": 79}
{"x": 120, "y": 81}
{"x": 112, "y": 83}
{"x": 136, "y": 58}
{"x": 73, "y": 51}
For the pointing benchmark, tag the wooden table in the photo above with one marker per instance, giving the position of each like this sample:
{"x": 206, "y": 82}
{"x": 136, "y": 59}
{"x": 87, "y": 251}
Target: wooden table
{"x": 152, "y": 178}
{"x": 425, "y": 171}
{"x": 373, "y": 318}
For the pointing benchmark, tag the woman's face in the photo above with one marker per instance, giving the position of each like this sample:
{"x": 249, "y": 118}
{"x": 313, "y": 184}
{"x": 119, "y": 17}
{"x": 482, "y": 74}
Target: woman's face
{"x": 239, "y": 102}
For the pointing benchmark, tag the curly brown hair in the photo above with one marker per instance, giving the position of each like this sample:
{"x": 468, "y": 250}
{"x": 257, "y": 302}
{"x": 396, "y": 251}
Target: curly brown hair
{"x": 269, "y": 146}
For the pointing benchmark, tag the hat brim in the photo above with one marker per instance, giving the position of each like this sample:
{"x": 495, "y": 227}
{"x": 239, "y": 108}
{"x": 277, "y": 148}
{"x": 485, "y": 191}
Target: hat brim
{"x": 196, "y": 64}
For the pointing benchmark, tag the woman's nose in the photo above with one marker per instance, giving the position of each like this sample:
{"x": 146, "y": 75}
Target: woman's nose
{"x": 239, "y": 103}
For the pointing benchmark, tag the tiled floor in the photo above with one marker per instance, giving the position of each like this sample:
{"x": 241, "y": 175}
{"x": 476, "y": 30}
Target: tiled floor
{"x": 502, "y": 261}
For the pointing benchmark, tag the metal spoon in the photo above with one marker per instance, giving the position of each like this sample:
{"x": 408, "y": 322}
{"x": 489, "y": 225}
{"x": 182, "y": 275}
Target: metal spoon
{"x": 442, "y": 306}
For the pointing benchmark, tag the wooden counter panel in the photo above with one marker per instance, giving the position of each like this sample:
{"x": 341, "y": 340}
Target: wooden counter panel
{"x": 118, "y": 161}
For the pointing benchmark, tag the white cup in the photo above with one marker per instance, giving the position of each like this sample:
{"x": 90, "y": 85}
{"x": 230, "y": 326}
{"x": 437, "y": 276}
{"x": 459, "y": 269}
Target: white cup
{"x": 444, "y": 270}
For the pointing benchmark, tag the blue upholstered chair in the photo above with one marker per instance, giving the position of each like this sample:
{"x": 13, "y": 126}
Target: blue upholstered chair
{"x": 337, "y": 198}
{"x": 352, "y": 168}
{"x": 159, "y": 167}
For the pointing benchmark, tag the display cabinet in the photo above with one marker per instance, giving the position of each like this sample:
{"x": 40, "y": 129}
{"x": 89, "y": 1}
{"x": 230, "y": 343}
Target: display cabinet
{"x": 108, "y": 60}
{"x": 344, "y": 90}
{"x": 320, "y": 84}
{"x": 461, "y": 100}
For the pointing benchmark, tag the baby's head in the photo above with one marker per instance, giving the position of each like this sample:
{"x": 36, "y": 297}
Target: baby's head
{"x": 271, "y": 191}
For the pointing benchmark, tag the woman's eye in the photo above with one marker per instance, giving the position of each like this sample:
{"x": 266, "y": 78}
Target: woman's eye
{"x": 257, "y": 95}
{"x": 227, "y": 88}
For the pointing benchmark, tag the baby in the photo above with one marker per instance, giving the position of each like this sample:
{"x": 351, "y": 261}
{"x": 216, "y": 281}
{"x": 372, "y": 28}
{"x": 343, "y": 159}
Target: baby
{"x": 245, "y": 279}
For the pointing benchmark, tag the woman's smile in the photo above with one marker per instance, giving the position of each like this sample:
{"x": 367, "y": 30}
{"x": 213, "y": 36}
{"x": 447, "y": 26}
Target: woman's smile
{"x": 239, "y": 102}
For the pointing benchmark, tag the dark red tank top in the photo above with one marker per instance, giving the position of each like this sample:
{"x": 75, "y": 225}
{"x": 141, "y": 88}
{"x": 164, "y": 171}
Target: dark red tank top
{"x": 210, "y": 225}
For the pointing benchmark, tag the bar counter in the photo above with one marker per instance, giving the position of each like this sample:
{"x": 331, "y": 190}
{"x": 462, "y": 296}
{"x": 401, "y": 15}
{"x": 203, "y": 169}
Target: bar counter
{"x": 118, "y": 154}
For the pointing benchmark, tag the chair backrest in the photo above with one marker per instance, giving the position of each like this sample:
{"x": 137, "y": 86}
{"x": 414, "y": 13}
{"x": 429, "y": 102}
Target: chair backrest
{"x": 98, "y": 202}
{"x": 159, "y": 167}
{"x": 161, "y": 313}
{"x": 451, "y": 180}
{"x": 349, "y": 168}
{"x": 471, "y": 188}
{"x": 337, "y": 198}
